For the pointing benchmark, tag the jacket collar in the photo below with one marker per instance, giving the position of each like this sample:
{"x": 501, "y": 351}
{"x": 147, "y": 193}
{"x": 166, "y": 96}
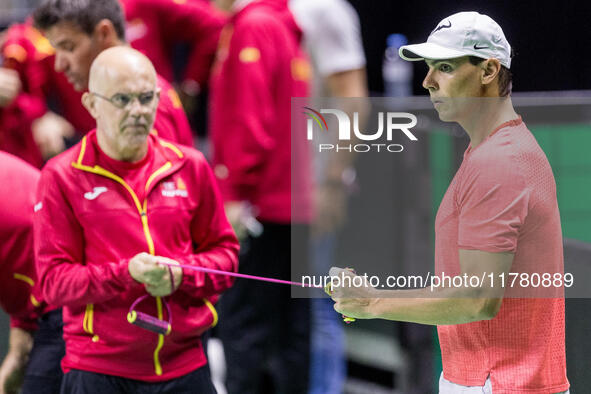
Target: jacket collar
{"x": 173, "y": 157}
{"x": 89, "y": 150}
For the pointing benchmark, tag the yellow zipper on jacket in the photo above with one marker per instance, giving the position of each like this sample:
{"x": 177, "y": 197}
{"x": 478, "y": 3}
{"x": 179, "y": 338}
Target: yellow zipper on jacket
{"x": 143, "y": 212}
{"x": 205, "y": 300}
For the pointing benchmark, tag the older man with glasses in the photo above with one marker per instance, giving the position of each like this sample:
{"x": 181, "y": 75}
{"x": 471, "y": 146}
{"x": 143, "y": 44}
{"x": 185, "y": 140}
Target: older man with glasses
{"x": 110, "y": 211}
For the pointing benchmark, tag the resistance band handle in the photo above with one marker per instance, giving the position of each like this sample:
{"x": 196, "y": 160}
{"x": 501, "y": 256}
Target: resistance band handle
{"x": 149, "y": 322}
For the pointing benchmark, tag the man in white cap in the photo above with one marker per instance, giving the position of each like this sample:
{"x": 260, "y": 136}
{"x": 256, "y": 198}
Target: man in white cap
{"x": 498, "y": 216}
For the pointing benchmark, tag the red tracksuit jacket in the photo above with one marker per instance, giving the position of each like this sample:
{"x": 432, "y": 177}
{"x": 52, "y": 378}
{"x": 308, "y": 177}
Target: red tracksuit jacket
{"x": 17, "y": 267}
{"x": 93, "y": 216}
{"x": 259, "y": 68}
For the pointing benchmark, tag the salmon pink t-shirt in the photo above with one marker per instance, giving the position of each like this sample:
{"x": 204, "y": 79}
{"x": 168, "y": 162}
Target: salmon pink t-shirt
{"x": 503, "y": 199}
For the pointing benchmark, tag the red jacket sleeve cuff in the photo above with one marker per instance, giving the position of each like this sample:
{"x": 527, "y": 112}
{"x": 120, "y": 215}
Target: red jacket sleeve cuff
{"x": 191, "y": 279}
{"x": 124, "y": 275}
{"x": 24, "y": 323}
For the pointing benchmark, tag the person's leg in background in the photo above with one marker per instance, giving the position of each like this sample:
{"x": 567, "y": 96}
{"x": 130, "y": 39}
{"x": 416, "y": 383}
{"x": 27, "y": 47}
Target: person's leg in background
{"x": 249, "y": 317}
{"x": 264, "y": 330}
{"x": 328, "y": 365}
{"x": 291, "y": 362}
{"x": 216, "y": 360}
{"x": 44, "y": 373}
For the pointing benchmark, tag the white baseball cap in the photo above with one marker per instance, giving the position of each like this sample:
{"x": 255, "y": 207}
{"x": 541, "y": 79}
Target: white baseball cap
{"x": 462, "y": 34}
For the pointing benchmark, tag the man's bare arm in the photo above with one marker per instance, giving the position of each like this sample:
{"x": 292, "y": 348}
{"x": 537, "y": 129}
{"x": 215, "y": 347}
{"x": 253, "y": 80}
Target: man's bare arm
{"x": 442, "y": 306}
{"x": 13, "y": 366}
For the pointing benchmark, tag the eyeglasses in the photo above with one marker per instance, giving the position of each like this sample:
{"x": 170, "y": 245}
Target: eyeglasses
{"x": 122, "y": 100}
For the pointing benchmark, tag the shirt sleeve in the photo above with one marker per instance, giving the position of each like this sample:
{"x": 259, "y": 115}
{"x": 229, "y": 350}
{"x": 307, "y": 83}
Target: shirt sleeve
{"x": 27, "y": 324}
{"x": 20, "y": 55}
{"x": 27, "y": 107}
{"x": 216, "y": 244}
{"x": 64, "y": 276}
{"x": 27, "y": 51}
{"x": 15, "y": 127}
{"x": 332, "y": 34}
{"x": 19, "y": 280}
{"x": 242, "y": 141}
{"x": 493, "y": 203}
{"x": 24, "y": 308}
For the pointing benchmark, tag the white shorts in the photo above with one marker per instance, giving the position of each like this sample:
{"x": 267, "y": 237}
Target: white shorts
{"x": 447, "y": 387}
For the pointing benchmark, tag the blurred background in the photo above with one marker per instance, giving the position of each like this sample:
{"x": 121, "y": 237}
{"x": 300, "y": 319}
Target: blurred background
{"x": 551, "y": 41}
{"x": 550, "y": 38}
{"x": 547, "y": 36}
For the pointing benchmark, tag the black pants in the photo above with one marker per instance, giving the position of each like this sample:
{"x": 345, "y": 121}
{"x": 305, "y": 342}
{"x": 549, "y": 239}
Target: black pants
{"x": 263, "y": 329}
{"x": 83, "y": 382}
{"x": 44, "y": 373}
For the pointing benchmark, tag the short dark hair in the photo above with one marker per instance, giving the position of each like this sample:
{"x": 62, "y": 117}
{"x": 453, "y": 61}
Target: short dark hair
{"x": 505, "y": 76}
{"x": 85, "y": 14}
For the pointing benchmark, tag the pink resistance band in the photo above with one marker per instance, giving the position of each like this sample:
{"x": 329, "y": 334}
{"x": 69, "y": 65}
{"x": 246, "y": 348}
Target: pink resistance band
{"x": 237, "y": 275}
{"x": 156, "y": 325}
{"x": 346, "y": 319}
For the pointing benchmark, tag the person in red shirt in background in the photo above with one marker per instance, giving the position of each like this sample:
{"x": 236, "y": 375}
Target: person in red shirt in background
{"x": 27, "y": 128}
{"x": 180, "y": 38}
{"x": 154, "y": 27}
{"x": 163, "y": 201}
{"x": 17, "y": 113}
{"x": 259, "y": 68}
{"x": 79, "y": 31}
{"x": 17, "y": 267}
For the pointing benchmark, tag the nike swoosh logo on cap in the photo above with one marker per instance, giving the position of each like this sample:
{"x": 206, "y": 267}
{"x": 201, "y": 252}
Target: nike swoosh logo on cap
{"x": 442, "y": 27}
{"x": 477, "y": 47}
